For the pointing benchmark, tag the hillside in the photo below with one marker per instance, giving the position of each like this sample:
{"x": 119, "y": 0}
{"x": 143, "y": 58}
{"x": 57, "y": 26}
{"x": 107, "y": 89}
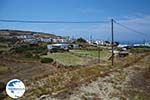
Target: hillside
{"x": 9, "y": 32}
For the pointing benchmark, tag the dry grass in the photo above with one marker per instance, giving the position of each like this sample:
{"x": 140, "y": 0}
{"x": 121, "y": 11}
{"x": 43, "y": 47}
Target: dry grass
{"x": 3, "y": 69}
{"x": 65, "y": 81}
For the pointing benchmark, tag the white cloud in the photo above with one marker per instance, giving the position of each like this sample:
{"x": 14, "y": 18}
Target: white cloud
{"x": 140, "y": 23}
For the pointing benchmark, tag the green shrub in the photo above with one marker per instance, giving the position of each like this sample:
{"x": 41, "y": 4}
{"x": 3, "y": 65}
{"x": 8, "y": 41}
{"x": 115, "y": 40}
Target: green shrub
{"x": 36, "y": 57}
{"x": 3, "y": 69}
{"x": 1, "y": 51}
{"x": 2, "y": 39}
{"x": 2, "y": 96}
{"x": 140, "y": 50}
{"x": 2, "y": 87}
{"x": 21, "y": 49}
{"x": 29, "y": 48}
{"x": 81, "y": 40}
{"x": 28, "y": 55}
{"x": 47, "y": 60}
{"x": 44, "y": 53}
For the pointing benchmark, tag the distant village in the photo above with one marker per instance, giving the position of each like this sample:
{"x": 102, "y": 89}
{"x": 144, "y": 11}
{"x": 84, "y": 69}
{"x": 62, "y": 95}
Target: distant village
{"x": 35, "y": 38}
{"x": 65, "y": 43}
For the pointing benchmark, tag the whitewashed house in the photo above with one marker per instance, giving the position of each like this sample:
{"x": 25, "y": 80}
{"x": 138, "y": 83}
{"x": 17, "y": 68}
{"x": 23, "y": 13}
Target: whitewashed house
{"x": 47, "y": 40}
{"x": 58, "y": 46}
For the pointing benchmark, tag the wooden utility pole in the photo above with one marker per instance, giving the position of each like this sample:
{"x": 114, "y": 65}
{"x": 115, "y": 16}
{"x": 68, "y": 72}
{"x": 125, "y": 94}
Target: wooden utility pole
{"x": 112, "y": 44}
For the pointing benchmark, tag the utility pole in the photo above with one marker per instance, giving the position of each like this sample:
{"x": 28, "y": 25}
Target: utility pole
{"x": 112, "y": 44}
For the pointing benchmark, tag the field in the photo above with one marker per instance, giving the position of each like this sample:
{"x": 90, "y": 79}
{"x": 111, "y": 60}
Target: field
{"x": 66, "y": 58}
{"x": 78, "y": 57}
{"x": 92, "y": 53}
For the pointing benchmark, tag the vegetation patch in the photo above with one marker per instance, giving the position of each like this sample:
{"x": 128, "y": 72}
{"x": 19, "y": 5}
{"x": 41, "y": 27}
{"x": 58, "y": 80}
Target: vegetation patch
{"x": 2, "y": 88}
{"x": 140, "y": 50}
{"x": 61, "y": 81}
{"x": 91, "y": 53}
{"x": 66, "y": 58}
{"x": 34, "y": 49}
{"x": 46, "y": 60}
{"x": 3, "y": 69}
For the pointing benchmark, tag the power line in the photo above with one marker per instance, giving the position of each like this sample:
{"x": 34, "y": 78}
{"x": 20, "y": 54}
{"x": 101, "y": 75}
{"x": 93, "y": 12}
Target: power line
{"x": 47, "y": 22}
{"x": 133, "y": 30}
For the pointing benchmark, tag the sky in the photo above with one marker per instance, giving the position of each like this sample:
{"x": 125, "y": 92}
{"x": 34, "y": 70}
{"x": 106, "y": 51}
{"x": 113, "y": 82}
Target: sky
{"x": 132, "y": 13}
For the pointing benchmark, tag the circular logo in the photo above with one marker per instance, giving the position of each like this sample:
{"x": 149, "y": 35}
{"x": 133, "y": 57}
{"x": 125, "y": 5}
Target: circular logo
{"x": 15, "y": 88}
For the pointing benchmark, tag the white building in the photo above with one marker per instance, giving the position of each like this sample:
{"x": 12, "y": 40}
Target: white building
{"x": 58, "y": 46}
{"x": 25, "y": 37}
{"x": 122, "y": 45}
{"x": 99, "y": 42}
{"x": 47, "y": 40}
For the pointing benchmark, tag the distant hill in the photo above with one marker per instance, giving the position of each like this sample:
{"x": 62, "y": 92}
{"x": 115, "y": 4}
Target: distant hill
{"x": 9, "y": 32}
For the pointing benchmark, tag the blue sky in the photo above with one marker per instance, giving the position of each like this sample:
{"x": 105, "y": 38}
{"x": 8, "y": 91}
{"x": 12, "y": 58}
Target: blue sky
{"x": 133, "y": 13}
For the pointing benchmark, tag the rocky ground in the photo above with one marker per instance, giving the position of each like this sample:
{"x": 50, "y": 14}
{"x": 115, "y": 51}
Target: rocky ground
{"x": 131, "y": 83}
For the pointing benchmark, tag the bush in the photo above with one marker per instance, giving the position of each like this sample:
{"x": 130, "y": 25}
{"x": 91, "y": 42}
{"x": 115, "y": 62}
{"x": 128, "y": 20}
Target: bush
{"x": 2, "y": 96}
{"x": 139, "y": 50}
{"x": 21, "y": 49}
{"x": 28, "y": 55}
{"x": 2, "y": 39}
{"x": 81, "y": 40}
{"x": 1, "y": 51}
{"x": 44, "y": 53}
{"x": 2, "y": 87}
{"x": 47, "y": 60}
{"x": 36, "y": 57}
{"x": 29, "y": 48}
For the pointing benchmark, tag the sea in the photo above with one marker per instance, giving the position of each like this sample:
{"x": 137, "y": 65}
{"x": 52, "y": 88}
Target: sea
{"x": 133, "y": 42}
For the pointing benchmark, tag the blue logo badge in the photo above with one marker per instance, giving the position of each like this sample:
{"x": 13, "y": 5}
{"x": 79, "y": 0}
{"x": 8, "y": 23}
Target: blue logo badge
{"x": 15, "y": 88}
